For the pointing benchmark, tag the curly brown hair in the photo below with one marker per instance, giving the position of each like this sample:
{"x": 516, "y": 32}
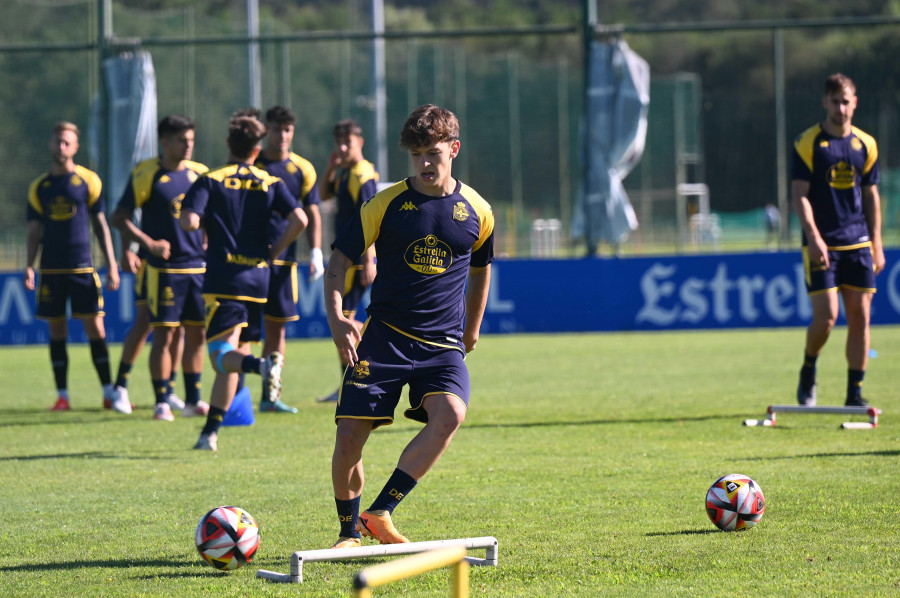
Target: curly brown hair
{"x": 428, "y": 124}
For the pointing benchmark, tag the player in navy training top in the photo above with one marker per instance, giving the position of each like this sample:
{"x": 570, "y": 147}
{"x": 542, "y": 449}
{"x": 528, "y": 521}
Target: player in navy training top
{"x": 63, "y": 203}
{"x": 434, "y": 238}
{"x": 234, "y": 204}
{"x": 299, "y": 175}
{"x": 834, "y": 189}
{"x": 351, "y": 180}
{"x": 175, "y": 264}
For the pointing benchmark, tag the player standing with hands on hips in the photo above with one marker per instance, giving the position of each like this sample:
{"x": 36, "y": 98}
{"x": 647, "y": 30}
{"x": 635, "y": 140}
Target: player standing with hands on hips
{"x": 834, "y": 190}
{"x": 433, "y": 235}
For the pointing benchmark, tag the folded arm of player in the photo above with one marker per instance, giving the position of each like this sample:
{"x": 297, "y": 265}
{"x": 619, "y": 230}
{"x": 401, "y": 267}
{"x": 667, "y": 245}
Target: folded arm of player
{"x": 296, "y": 223}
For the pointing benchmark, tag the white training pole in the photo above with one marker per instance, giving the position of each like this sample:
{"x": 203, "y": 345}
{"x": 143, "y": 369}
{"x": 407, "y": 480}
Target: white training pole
{"x": 489, "y": 543}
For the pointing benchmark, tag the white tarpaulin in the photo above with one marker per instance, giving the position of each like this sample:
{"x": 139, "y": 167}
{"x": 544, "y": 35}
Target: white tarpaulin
{"x": 131, "y": 132}
{"x": 617, "y": 101}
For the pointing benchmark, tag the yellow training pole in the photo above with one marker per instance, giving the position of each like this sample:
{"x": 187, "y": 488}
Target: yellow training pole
{"x": 414, "y": 565}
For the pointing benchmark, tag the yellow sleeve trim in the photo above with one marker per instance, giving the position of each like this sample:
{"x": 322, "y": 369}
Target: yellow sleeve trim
{"x": 804, "y": 145}
{"x": 372, "y": 212}
{"x": 309, "y": 173}
{"x": 33, "y": 195}
{"x": 93, "y": 182}
{"x": 871, "y": 149}
{"x": 485, "y": 214}
{"x": 142, "y": 180}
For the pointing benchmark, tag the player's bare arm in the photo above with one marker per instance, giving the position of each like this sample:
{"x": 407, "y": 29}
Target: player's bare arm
{"x": 476, "y": 302}
{"x": 344, "y": 331}
{"x": 101, "y": 230}
{"x": 367, "y": 276}
{"x": 121, "y": 219}
{"x": 314, "y": 235}
{"x": 818, "y": 250}
{"x": 872, "y": 209}
{"x": 32, "y": 243}
{"x": 296, "y": 223}
{"x": 325, "y": 185}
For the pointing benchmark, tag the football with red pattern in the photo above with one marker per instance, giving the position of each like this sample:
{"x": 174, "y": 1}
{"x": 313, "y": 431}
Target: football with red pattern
{"x": 735, "y": 502}
{"x": 227, "y": 538}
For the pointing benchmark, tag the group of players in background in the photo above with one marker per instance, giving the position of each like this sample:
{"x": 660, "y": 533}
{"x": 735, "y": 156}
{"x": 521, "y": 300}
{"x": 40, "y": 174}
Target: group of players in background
{"x": 216, "y": 263}
{"x": 218, "y": 257}
{"x": 168, "y": 261}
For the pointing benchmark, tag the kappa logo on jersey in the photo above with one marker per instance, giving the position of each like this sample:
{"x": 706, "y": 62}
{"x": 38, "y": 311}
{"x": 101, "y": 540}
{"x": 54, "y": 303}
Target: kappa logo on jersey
{"x": 62, "y": 209}
{"x": 291, "y": 168}
{"x": 165, "y": 179}
{"x": 429, "y": 255}
{"x": 361, "y": 370}
{"x": 408, "y": 206}
{"x": 460, "y": 212}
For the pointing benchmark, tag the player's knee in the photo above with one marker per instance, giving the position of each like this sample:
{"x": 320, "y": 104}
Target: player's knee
{"x": 217, "y": 351}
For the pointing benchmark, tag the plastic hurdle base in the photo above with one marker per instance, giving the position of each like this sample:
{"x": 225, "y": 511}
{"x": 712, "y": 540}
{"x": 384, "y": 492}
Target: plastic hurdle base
{"x": 872, "y": 412}
{"x": 489, "y": 543}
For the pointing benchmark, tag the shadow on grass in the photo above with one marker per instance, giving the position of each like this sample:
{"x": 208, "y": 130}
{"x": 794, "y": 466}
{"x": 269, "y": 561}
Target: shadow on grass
{"x": 42, "y": 417}
{"x": 108, "y": 564}
{"x": 686, "y": 532}
{"x": 84, "y": 455}
{"x": 893, "y": 453}
{"x": 597, "y": 422}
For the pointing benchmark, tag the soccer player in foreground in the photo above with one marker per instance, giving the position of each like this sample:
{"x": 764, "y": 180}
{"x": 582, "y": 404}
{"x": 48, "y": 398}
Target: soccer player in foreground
{"x": 299, "y": 175}
{"x": 63, "y": 203}
{"x": 834, "y": 189}
{"x": 351, "y": 180}
{"x": 432, "y": 234}
{"x": 175, "y": 266}
{"x": 235, "y": 203}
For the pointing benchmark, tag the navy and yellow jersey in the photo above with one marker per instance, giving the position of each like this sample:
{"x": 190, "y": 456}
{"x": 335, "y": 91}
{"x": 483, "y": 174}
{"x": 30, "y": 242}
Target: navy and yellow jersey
{"x": 837, "y": 168}
{"x": 351, "y": 188}
{"x": 235, "y": 203}
{"x": 300, "y": 177}
{"x": 158, "y": 192}
{"x": 64, "y": 205}
{"x": 425, "y": 246}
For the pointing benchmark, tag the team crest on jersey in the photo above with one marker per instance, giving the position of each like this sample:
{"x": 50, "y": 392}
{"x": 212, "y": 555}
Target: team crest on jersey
{"x": 165, "y": 179}
{"x": 175, "y": 206}
{"x": 429, "y": 255}
{"x": 291, "y": 168}
{"x": 824, "y": 143}
{"x": 856, "y": 144}
{"x": 62, "y": 209}
{"x": 842, "y": 175}
{"x": 361, "y": 370}
{"x": 460, "y": 212}
{"x": 76, "y": 181}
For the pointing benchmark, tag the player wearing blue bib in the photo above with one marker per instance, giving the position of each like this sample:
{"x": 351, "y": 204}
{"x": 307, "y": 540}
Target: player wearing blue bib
{"x": 234, "y": 204}
{"x": 299, "y": 175}
{"x": 63, "y": 204}
{"x": 175, "y": 262}
{"x": 834, "y": 189}
{"x": 350, "y": 180}
{"x": 434, "y": 239}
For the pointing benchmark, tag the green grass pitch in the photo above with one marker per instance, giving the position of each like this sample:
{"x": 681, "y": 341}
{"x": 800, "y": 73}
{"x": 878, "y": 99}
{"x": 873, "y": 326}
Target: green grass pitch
{"x": 588, "y": 456}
